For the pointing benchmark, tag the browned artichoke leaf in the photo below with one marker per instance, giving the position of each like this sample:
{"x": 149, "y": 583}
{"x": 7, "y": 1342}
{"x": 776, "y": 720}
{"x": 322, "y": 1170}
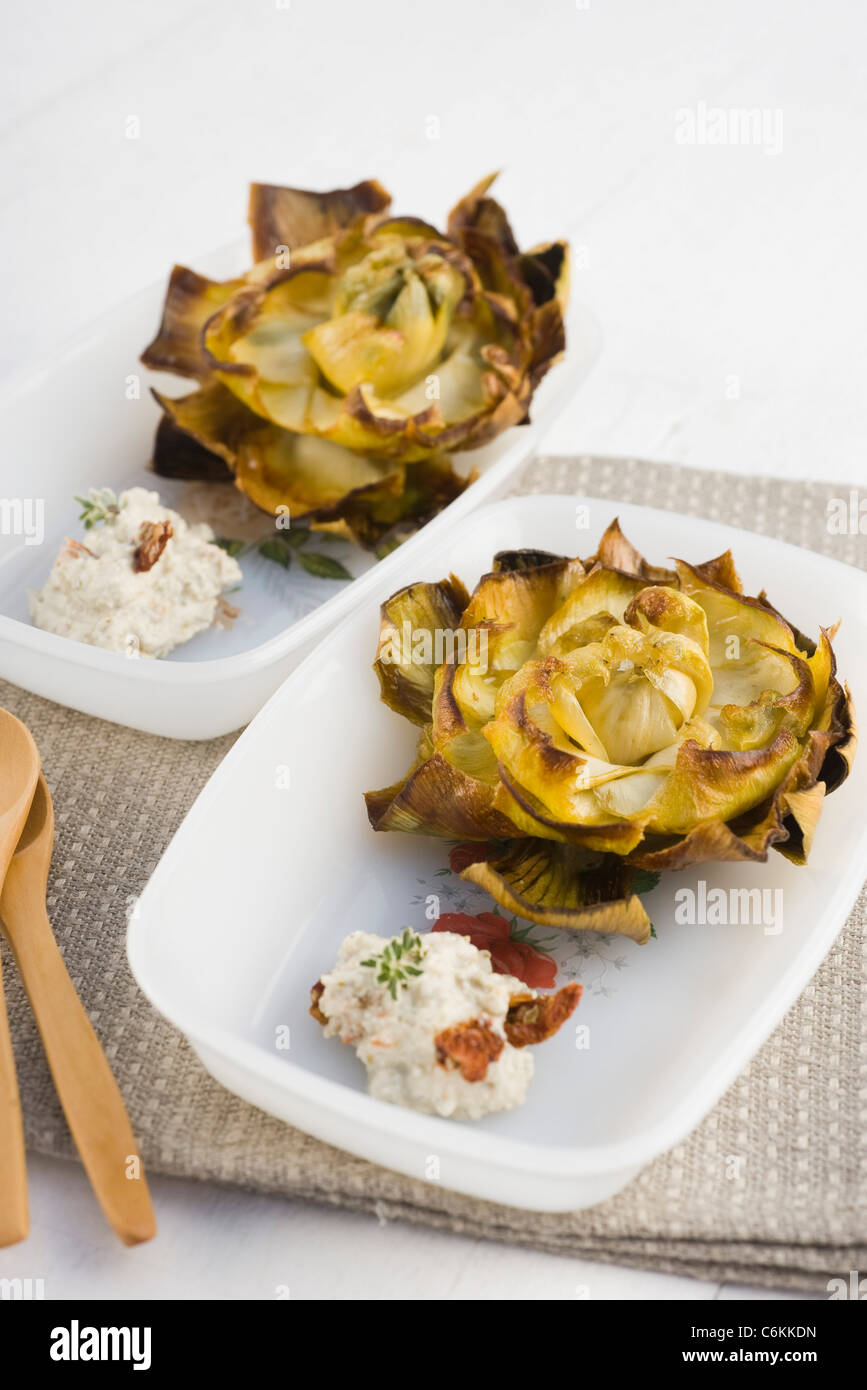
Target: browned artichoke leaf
{"x": 191, "y": 300}
{"x": 412, "y": 628}
{"x": 514, "y": 604}
{"x": 545, "y": 269}
{"x": 536, "y": 282}
{"x": 311, "y": 477}
{"x": 437, "y": 798}
{"x": 825, "y": 763}
{"x": 617, "y": 553}
{"x": 721, "y": 570}
{"x": 712, "y": 784}
{"x": 178, "y": 455}
{"x": 376, "y": 501}
{"x": 476, "y": 211}
{"x": 841, "y": 719}
{"x": 560, "y": 885}
{"x": 295, "y": 217}
{"x": 384, "y": 520}
{"x": 213, "y": 417}
{"x": 785, "y": 820}
{"x": 507, "y": 561}
{"x": 479, "y": 225}
{"x": 547, "y": 337}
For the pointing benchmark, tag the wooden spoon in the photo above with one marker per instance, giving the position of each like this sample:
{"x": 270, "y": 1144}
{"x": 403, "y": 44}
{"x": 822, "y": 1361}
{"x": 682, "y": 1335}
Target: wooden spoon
{"x": 88, "y": 1092}
{"x": 19, "y": 769}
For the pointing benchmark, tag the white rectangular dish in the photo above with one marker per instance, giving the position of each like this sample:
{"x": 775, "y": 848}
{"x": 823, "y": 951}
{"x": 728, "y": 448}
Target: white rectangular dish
{"x": 276, "y": 862}
{"x": 86, "y": 419}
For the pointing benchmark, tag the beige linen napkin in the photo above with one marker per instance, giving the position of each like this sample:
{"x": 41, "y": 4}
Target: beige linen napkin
{"x": 795, "y": 1214}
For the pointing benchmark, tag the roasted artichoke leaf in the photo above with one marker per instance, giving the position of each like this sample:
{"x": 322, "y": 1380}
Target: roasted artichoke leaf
{"x": 615, "y": 552}
{"x": 310, "y": 479}
{"x": 562, "y": 886}
{"x": 513, "y": 605}
{"x": 274, "y": 467}
{"x": 383, "y": 521}
{"x": 437, "y": 798}
{"x": 545, "y": 268}
{"x": 413, "y": 626}
{"x": 506, "y": 561}
{"x": 295, "y": 217}
{"x": 191, "y": 300}
{"x": 178, "y": 455}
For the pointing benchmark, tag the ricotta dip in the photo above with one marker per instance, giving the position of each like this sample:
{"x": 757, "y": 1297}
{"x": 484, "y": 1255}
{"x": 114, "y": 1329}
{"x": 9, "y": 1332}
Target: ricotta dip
{"x": 436, "y": 1039}
{"x": 142, "y": 583}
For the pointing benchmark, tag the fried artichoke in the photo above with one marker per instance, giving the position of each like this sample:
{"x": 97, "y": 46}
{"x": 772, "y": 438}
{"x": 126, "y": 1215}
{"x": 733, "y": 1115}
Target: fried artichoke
{"x": 338, "y": 374}
{"x": 589, "y": 721}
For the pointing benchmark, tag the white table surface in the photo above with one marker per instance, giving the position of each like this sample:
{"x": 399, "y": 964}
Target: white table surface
{"x": 728, "y": 278}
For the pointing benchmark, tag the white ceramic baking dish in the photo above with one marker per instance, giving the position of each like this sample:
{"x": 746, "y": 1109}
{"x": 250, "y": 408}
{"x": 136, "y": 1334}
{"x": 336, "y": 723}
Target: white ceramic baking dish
{"x": 276, "y": 862}
{"x": 86, "y": 418}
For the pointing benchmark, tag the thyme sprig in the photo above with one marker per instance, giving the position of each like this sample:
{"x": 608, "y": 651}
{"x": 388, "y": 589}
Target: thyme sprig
{"x": 400, "y": 958}
{"x": 99, "y": 505}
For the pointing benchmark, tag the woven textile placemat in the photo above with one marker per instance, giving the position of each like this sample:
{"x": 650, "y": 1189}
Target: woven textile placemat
{"x": 795, "y": 1216}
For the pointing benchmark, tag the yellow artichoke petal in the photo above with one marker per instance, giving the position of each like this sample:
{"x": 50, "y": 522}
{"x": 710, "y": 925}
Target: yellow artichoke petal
{"x": 660, "y": 606}
{"x": 412, "y": 626}
{"x": 718, "y": 784}
{"x": 595, "y": 830}
{"x": 650, "y": 723}
{"x": 733, "y": 618}
{"x": 604, "y": 595}
{"x": 515, "y": 604}
{"x": 560, "y": 885}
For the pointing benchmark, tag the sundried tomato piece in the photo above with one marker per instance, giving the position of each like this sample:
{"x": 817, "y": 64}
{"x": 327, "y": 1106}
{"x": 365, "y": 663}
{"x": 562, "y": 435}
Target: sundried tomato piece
{"x": 533, "y": 1018}
{"x": 316, "y": 993}
{"x": 470, "y": 1046}
{"x": 153, "y": 538}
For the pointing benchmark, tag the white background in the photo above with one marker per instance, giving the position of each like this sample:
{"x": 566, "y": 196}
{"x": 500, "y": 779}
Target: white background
{"x": 728, "y": 278}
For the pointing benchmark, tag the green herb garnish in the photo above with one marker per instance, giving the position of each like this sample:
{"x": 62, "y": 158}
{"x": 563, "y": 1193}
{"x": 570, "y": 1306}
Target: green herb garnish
{"x": 99, "y": 505}
{"x": 231, "y": 547}
{"x": 323, "y": 566}
{"x": 401, "y": 957}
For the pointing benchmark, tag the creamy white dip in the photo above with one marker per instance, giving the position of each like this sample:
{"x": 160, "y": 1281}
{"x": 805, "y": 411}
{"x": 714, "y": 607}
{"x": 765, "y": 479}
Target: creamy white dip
{"x": 94, "y": 593}
{"x": 394, "y": 1036}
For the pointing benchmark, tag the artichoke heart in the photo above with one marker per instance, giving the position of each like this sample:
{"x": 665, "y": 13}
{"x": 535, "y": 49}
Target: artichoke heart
{"x": 383, "y": 343}
{"x": 608, "y": 718}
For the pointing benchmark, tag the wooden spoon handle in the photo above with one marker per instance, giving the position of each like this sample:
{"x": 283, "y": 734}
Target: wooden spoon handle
{"x": 88, "y": 1092}
{"x": 14, "y": 1222}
